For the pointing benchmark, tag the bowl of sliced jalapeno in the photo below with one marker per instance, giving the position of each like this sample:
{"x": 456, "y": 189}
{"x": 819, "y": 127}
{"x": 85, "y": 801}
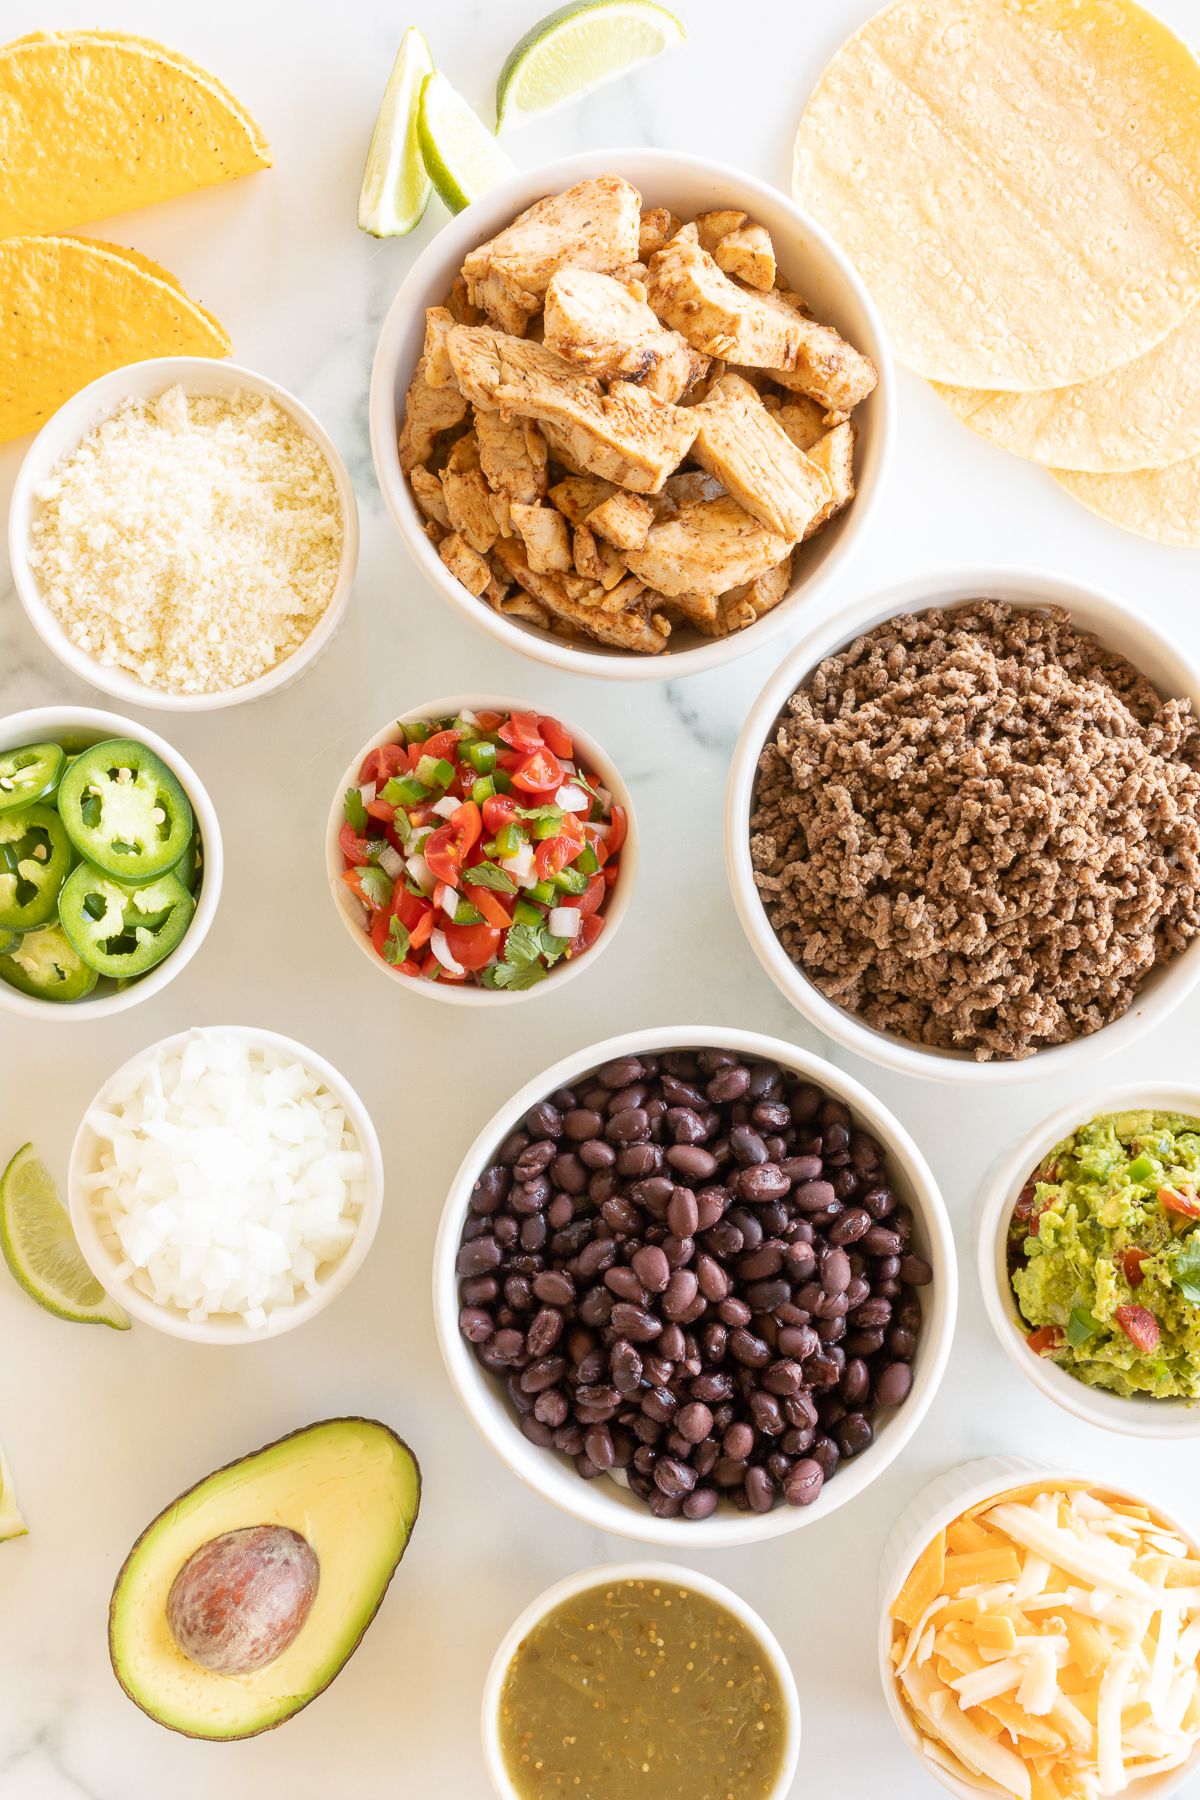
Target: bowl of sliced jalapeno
{"x": 110, "y": 862}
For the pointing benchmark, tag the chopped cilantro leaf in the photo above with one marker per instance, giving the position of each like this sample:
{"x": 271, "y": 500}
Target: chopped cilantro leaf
{"x": 488, "y": 875}
{"x": 355, "y": 811}
{"x": 1185, "y": 1267}
{"x": 395, "y": 949}
{"x": 375, "y": 886}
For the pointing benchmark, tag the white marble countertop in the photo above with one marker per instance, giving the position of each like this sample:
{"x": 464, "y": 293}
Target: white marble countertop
{"x": 102, "y": 1430}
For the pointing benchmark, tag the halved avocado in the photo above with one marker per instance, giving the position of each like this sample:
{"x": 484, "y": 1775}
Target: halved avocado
{"x": 352, "y": 1488}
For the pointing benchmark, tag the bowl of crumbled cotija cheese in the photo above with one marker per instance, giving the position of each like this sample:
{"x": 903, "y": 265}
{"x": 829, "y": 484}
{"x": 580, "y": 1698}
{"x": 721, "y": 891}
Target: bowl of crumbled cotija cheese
{"x": 184, "y": 534}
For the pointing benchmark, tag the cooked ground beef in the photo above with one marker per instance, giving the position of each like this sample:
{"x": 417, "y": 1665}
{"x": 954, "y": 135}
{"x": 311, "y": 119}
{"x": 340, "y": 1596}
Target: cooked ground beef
{"x": 980, "y": 830}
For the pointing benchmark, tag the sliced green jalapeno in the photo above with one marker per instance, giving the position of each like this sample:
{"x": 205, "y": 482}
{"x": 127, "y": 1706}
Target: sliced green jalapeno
{"x": 29, "y": 773}
{"x": 45, "y": 965}
{"x": 35, "y": 859}
{"x": 125, "y": 812}
{"x": 121, "y": 930}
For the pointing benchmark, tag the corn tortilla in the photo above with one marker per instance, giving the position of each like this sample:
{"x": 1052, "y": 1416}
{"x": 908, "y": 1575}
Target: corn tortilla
{"x": 1017, "y": 180}
{"x": 95, "y": 123}
{"x": 1163, "y": 504}
{"x": 74, "y": 308}
{"x": 1142, "y": 416}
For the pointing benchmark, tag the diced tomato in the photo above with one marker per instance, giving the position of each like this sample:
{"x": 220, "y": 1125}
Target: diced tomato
{"x": 415, "y": 753}
{"x": 489, "y": 904}
{"x": 447, "y": 848}
{"x": 595, "y": 839}
{"x": 488, "y": 721}
{"x": 1140, "y": 1327}
{"x": 538, "y": 773}
{"x": 1045, "y": 1340}
{"x": 556, "y": 736}
{"x": 383, "y": 810}
{"x": 521, "y": 731}
{"x": 472, "y": 945}
{"x": 352, "y": 879}
{"x": 1180, "y": 1201}
{"x": 408, "y": 908}
{"x": 571, "y": 827}
{"x": 498, "y": 812}
{"x": 618, "y": 831}
{"x": 589, "y": 930}
{"x": 1025, "y": 1200}
{"x": 354, "y": 848}
{"x": 591, "y": 898}
{"x": 553, "y": 854}
{"x": 381, "y": 924}
{"x": 380, "y": 764}
{"x": 442, "y": 743}
{"x": 611, "y": 873}
{"x": 394, "y": 839}
{"x": 431, "y": 967}
{"x": 1131, "y": 1261}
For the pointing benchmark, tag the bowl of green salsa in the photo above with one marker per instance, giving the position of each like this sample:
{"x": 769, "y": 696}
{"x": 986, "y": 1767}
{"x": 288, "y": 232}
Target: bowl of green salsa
{"x": 643, "y": 1678}
{"x": 1090, "y": 1259}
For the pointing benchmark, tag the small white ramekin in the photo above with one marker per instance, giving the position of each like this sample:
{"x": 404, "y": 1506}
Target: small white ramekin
{"x": 226, "y": 1328}
{"x": 1136, "y": 1416}
{"x": 605, "y": 1504}
{"x": 1119, "y": 627}
{"x": 937, "y": 1506}
{"x": 70, "y": 424}
{"x": 689, "y": 185}
{"x": 467, "y": 993}
{"x": 45, "y": 724}
{"x": 605, "y": 1575}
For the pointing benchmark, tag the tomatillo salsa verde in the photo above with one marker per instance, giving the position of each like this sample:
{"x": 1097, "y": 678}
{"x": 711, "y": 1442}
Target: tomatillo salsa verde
{"x": 481, "y": 848}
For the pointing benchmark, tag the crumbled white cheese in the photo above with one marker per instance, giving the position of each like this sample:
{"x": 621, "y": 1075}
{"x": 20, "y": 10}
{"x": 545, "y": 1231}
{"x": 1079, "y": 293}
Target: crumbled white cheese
{"x": 192, "y": 540}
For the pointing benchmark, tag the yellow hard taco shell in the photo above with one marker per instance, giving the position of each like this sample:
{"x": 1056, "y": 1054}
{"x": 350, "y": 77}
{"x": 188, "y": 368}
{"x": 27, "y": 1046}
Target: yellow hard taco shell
{"x": 96, "y": 123}
{"x": 74, "y": 308}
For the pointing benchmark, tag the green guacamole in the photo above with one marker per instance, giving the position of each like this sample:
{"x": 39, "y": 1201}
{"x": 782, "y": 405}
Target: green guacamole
{"x": 1091, "y": 1239}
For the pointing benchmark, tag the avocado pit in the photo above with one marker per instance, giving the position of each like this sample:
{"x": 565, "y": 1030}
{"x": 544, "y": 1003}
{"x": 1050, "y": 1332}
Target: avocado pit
{"x": 241, "y": 1598}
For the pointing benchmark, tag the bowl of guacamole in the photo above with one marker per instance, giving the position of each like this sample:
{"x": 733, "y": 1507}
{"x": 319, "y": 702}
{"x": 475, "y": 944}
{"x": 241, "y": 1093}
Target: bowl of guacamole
{"x": 1094, "y": 1243}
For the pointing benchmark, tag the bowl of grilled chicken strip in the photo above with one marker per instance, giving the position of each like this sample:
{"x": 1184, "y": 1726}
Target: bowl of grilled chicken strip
{"x": 631, "y": 412}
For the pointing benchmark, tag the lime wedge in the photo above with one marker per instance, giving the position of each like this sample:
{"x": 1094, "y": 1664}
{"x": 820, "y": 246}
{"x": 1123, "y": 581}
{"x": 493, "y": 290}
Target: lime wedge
{"x": 11, "y": 1523}
{"x": 461, "y": 155}
{"x": 395, "y": 188}
{"x": 572, "y": 51}
{"x": 39, "y": 1247}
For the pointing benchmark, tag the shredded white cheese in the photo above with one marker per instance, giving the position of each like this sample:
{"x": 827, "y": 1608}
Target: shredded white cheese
{"x": 192, "y": 540}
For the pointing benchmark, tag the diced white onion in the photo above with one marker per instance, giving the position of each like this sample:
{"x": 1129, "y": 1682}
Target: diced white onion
{"x": 449, "y": 902}
{"x": 467, "y": 716}
{"x": 229, "y": 1178}
{"x": 520, "y": 865}
{"x": 565, "y": 921}
{"x": 573, "y": 799}
{"x": 391, "y": 862}
{"x": 441, "y": 950}
{"x": 447, "y": 806}
{"x": 421, "y": 872}
{"x": 367, "y": 793}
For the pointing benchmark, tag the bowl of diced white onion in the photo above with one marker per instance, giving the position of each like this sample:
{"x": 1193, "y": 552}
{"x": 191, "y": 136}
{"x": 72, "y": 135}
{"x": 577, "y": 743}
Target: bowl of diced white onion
{"x": 225, "y": 1185}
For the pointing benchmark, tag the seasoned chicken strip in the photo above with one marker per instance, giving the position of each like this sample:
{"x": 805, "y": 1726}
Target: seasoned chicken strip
{"x": 624, "y": 519}
{"x": 427, "y": 411}
{"x": 598, "y": 324}
{"x": 658, "y": 224}
{"x": 707, "y": 548}
{"x": 749, "y": 254}
{"x": 467, "y": 564}
{"x": 438, "y": 371}
{"x": 628, "y": 629}
{"x": 834, "y": 455}
{"x": 711, "y": 227}
{"x": 688, "y": 292}
{"x": 546, "y": 538}
{"x": 756, "y": 461}
{"x": 523, "y": 606}
{"x": 485, "y": 360}
{"x": 427, "y": 491}
{"x": 593, "y": 225}
{"x": 578, "y": 495}
{"x": 742, "y": 605}
{"x": 468, "y": 498}
{"x": 597, "y": 560}
{"x": 512, "y": 455}
{"x": 803, "y": 419}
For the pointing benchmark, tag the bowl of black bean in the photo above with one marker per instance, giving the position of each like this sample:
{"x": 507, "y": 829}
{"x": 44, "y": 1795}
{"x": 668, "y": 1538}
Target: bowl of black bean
{"x": 695, "y": 1286}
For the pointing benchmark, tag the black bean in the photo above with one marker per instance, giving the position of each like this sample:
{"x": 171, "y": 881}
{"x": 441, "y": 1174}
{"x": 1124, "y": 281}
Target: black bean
{"x": 760, "y": 1490}
{"x": 915, "y": 1271}
{"x": 804, "y": 1483}
{"x": 854, "y": 1434}
{"x": 480, "y": 1255}
{"x": 701, "y": 1503}
{"x": 692, "y": 1160}
{"x": 892, "y": 1384}
{"x": 635, "y": 1323}
{"x": 762, "y": 1182}
{"x": 679, "y": 1294}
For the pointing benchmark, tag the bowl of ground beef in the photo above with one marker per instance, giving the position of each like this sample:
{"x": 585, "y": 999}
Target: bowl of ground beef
{"x": 963, "y": 827}
{"x": 695, "y": 1286}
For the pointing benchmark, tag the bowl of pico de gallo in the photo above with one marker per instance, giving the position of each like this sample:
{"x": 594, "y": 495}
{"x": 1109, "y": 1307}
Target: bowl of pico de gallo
{"x": 477, "y": 849}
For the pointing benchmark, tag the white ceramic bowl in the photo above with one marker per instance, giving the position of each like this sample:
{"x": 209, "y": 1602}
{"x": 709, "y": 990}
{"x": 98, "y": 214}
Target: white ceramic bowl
{"x": 225, "y": 1328}
{"x": 70, "y": 424}
{"x": 466, "y": 993}
{"x": 935, "y": 1507}
{"x": 605, "y": 1575}
{"x": 1139, "y": 1416}
{"x": 810, "y": 260}
{"x": 605, "y": 1504}
{"x": 46, "y": 723}
{"x": 1120, "y": 628}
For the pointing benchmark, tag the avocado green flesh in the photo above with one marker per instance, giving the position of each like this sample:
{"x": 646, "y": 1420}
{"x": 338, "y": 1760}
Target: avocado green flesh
{"x": 1097, "y": 1196}
{"x": 352, "y": 1489}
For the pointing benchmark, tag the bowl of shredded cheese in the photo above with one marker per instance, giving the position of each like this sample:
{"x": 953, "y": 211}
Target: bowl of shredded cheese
{"x": 184, "y": 535}
{"x": 225, "y": 1184}
{"x": 1040, "y": 1636}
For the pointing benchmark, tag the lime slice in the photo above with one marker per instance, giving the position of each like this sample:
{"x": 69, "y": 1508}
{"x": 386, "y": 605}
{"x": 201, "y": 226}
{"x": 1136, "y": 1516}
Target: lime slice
{"x": 575, "y": 49}
{"x": 39, "y": 1247}
{"x": 461, "y": 155}
{"x": 11, "y": 1523}
{"x": 395, "y": 188}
